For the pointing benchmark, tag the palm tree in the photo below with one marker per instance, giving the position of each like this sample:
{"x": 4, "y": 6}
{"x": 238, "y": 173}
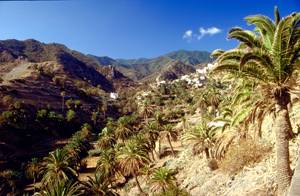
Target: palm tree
{"x": 104, "y": 107}
{"x": 270, "y": 57}
{"x": 106, "y": 163}
{"x": 70, "y": 115}
{"x": 62, "y": 188}
{"x": 141, "y": 140}
{"x": 123, "y": 130}
{"x": 159, "y": 121}
{"x": 146, "y": 110}
{"x": 151, "y": 133}
{"x": 32, "y": 170}
{"x": 202, "y": 102}
{"x": 213, "y": 97}
{"x": 13, "y": 178}
{"x": 106, "y": 139}
{"x": 131, "y": 158}
{"x": 58, "y": 167}
{"x": 86, "y": 129}
{"x": 100, "y": 185}
{"x": 169, "y": 133}
{"x": 200, "y": 138}
{"x": 161, "y": 178}
{"x": 63, "y": 94}
{"x": 95, "y": 117}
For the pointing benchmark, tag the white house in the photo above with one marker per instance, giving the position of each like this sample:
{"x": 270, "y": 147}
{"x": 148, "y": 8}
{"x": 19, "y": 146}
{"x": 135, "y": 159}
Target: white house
{"x": 185, "y": 77}
{"x": 197, "y": 85}
{"x": 196, "y": 81}
{"x": 114, "y": 95}
{"x": 161, "y": 82}
{"x": 202, "y": 71}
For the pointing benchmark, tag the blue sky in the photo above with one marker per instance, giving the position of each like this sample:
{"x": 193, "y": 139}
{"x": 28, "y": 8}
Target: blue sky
{"x": 133, "y": 28}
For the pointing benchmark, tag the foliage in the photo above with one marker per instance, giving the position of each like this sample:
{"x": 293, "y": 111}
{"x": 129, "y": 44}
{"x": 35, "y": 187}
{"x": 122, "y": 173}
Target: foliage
{"x": 59, "y": 167}
{"x": 269, "y": 57}
{"x": 63, "y": 188}
{"x": 106, "y": 139}
{"x": 32, "y": 170}
{"x": 99, "y": 185}
{"x": 161, "y": 178}
{"x": 199, "y": 137}
{"x": 70, "y": 115}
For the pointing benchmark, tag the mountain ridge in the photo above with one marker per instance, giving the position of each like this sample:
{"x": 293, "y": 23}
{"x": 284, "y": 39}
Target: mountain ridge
{"x": 143, "y": 68}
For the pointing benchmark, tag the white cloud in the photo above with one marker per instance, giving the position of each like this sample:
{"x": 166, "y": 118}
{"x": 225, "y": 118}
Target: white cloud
{"x": 210, "y": 31}
{"x": 188, "y": 35}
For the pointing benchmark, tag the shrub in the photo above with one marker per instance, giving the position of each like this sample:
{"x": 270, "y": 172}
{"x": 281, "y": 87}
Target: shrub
{"x": 247, "y": 153}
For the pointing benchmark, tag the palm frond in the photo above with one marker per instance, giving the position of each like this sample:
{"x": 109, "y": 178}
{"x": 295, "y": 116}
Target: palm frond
{"x": 266, "y": 28}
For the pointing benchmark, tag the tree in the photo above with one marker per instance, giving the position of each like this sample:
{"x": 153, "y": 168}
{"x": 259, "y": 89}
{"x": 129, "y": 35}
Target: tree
{"x": 169, "y": 133}
{"x": 213, "y": 97}
{"x": 161, "y": 178}
{"x": 200, "y": 138}
{"x": 63, "y": 94}
{"x": 86, "y": 129}
{"x": 123, "y": 130}
{"x": 146, "y": 110}
{"x": 70, "y": 115}
{"x": 270, "y": 57}
{"x": 100, "y": 185}
{"x": 151, "y": 133}
{"x": 202, "y": 102}
{"x": 159, "y": 121}
{"x": 13, "y": 178}
{"x": 62, "y": 188}
{"x": 106, "y": 139}
{"x": 104, "y": 109}
{"x": 32, "y": 170}
{"x": 58, "y": 167}
{"x": 131, "y": 158}
{"x": 106, "y": 163}
{"x": 95, "y": 117}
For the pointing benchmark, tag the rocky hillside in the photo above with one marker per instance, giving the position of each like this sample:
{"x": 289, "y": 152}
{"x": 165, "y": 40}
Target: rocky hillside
{"x": 143, "y": 68}
{"x": 172, "y": 71}
{"x": 118, "y": 80}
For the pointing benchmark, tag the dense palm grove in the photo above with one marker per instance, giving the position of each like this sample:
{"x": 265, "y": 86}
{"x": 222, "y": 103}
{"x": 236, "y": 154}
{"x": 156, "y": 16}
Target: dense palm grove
{"x": 263, "y": 74}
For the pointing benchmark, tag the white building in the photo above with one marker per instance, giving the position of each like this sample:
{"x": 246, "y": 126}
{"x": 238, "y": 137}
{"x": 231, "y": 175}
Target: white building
{"x": 185, "y": 77}
{"x": 114, "y": 95}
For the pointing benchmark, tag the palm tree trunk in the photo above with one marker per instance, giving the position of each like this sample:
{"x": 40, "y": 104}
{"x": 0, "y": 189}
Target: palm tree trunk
{"x": 137, "y": 182}
{"x": 282, "y": 128}
{"x": 168, "y": 137}
{"x": 206, "y": 150}
{"x": 152, "y": 154}
{"x": 63, "y": 103}
{"x": 159, "y": 147}
{"x": 34, "y": 184}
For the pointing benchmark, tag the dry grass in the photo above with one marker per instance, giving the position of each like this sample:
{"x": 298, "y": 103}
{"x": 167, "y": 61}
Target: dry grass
{"x": 246, "y": 154}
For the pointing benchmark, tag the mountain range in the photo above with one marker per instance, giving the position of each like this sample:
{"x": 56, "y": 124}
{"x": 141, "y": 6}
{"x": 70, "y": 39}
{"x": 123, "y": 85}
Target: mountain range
{"x": 110, "y": 74}
{"x": 142, "y": 68}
